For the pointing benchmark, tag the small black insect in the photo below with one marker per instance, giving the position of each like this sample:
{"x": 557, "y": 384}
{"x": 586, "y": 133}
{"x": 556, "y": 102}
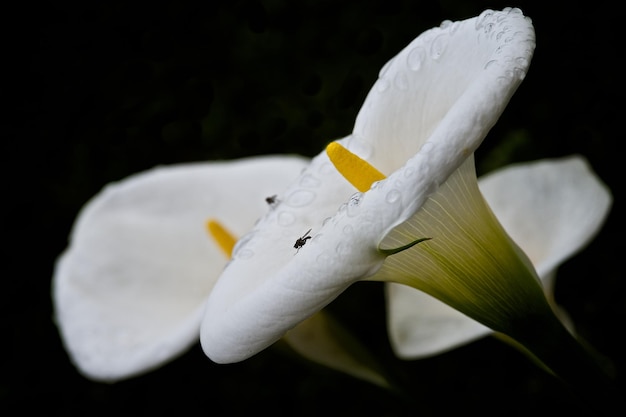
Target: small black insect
{"x": 302, "y": 240}
{"x": 271, "y": 200}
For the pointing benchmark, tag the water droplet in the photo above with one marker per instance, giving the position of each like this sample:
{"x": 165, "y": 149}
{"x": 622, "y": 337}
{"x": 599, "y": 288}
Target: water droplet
{"x": 438, "y": 46}
{"x": 484, "y": 16}
{"x": 309, "y": 181}
{"x": 384, "y": 69}
{"x": 382, "y": 85}
{"x": 300, "y": 198}
{"x": 454, "y": 27}
{"x": 522, "y": 62}
{"x": 490, "y": 63}
{"x": 401, "y": 81}
{"x": 323, "y": 258}
{"x": 355, "y": 199}
{"x": 326, "y": 168}
{"x": 286, "y": 218}
{"x": 353, "y": 203}
{"x": 244, "y": 254}
{"x": 393, "y": 196}
{"x": 377, "y": 184}
{"x": 408, "y": 172}
{"x": 239, "y": 246}
{"x": 347, "y": 229}
{"x": 342, "y": 248}
{"x": 415, "y": 59}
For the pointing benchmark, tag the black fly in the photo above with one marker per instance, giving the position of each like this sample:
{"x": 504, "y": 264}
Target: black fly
{"x": 271, "y": 200}
{"x": 302, "y": 240}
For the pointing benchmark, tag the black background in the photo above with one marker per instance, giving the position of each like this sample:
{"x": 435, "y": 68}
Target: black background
{"x": 97, "y": 91}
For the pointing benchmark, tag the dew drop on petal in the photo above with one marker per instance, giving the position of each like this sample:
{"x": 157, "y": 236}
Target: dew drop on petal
{"x": 438, "y": 46}
{"x": 393, "y": 196}
{"x": 241, "y": 243}
{"x": 445, "y": 24}
{"x": 377, "y": 185}
{"x": 342, "y": 248}
{"x": 385, "y": 68}
{"x": 245, "y": 254}
{"x": 353, "y": 204}
{"x": 415, "y": 58}
{"x": 323, "y": 258}
{"x": 382, "y": 85}
{"x": 482, "y": 18}
{"x": 317, "y": 237}
{"x": 401, "y": 81}
{"x": 454, "y": 27}
{"x": 522, "y": 62}
{"x": 326, "y": 168}
{"x": 309, "y": 181}
{"x": 300, "y": 198}
{"x": 355, "y": 199}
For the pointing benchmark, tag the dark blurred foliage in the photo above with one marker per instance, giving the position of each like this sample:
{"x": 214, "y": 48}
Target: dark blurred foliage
{"x": 95, "y": 91}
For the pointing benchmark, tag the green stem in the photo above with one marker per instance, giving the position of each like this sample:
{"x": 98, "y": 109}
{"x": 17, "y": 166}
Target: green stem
{"x": 549, "y": 342}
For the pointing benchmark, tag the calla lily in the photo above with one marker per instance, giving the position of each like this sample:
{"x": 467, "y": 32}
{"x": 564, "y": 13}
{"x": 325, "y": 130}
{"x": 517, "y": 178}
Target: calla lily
{"x": 412, "y": 147}
{"x": 418, "y": 217}
{"x": 129, "y": 291}
{"x": 551, "y": 208}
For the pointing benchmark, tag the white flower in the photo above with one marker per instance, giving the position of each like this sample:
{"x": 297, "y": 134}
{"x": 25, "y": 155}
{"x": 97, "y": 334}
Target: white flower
{"x": 129, "y": 291}
{"x": 551, "y": 208}
{"x": 431, "y": 107}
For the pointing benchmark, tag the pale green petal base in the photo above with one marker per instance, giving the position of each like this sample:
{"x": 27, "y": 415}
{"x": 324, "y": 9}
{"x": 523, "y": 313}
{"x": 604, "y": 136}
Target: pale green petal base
{"x": 469, "y": 263}
{"x": 551, "y": 208}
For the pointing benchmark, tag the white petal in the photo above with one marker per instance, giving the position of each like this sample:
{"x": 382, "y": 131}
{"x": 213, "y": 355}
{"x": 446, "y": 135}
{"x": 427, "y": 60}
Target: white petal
{"x": 448, "y": 86}
{"x": 269, "y": 288}
{"x": 551, "y": 208}
{"x": 420, "y": 325}
{"x": 130, "y": 289}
